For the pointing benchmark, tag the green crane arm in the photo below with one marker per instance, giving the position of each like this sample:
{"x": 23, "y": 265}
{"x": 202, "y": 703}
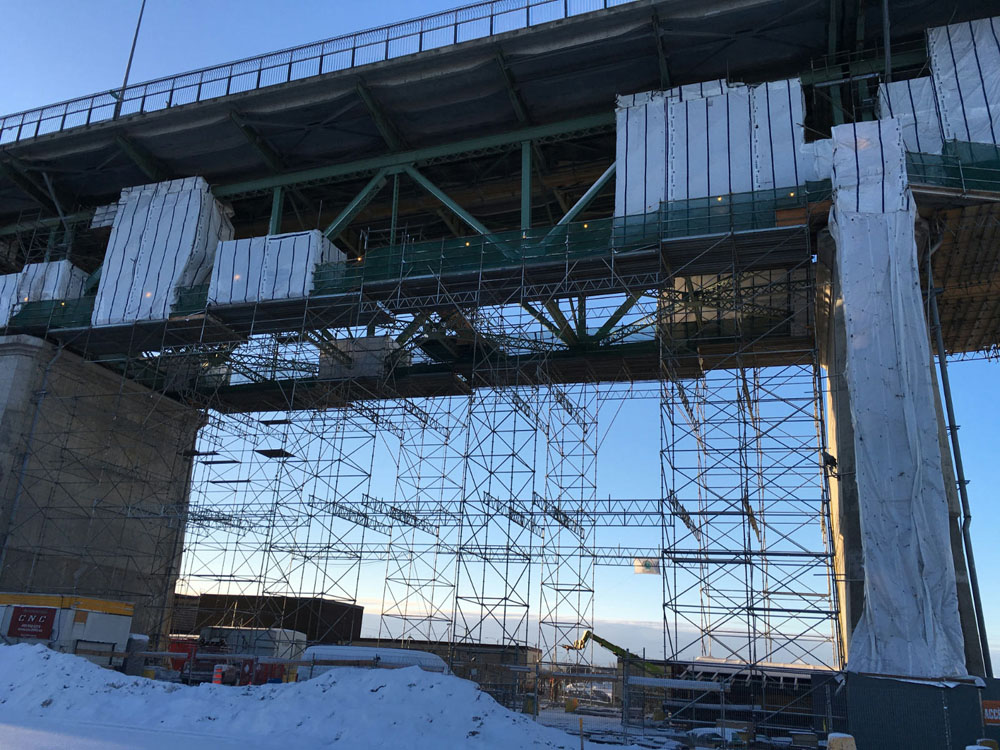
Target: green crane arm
{"x": 621, "y": 653}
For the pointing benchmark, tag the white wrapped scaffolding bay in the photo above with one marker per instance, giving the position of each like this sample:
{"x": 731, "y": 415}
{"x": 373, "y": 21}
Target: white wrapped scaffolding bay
{"x": 914, "y": 104}
{"x": 965, "y": 62}
{"x": 910, "y": 623}
{"x": 163, "y": 237}
{"x": 36, "y": 282}
{"x": 275, "y": 267}
{"x": 707, "y": 140}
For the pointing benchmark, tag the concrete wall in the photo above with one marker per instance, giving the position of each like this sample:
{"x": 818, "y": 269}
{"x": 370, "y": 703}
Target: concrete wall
{"x": 845, "y": 521}
{"x": 94, "y": 480}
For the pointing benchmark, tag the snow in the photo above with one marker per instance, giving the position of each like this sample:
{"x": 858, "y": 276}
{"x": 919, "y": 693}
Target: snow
{"x": 54, "y": 700}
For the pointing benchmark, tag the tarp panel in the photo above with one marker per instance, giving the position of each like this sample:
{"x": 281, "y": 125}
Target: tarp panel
{"x": 914, "y": 104}
{"x": 164, "y": 237}
{"x": 268, "y": 268}
{"x": 965, "y": 62}
{"x": 910, "y": 623}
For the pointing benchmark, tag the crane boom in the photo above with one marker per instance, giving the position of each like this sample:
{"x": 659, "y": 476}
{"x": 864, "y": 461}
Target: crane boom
{"x": 621, "y": 653}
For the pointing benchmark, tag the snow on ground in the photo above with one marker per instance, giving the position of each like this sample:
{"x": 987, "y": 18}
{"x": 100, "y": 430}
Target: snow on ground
{"x": 48, "y": 699}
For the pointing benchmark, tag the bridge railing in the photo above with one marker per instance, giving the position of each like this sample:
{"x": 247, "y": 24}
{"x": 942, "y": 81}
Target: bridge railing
{"x": 476, "y": 21}
{"x": 962, "y": 166}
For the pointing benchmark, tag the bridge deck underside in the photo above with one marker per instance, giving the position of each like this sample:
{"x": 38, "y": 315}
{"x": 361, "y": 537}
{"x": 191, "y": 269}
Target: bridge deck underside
{"x": 967, "y": 271}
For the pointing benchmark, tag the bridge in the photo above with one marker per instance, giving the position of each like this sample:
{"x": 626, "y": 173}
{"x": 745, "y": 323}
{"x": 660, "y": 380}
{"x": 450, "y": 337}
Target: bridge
{"x": 469, "y": 171}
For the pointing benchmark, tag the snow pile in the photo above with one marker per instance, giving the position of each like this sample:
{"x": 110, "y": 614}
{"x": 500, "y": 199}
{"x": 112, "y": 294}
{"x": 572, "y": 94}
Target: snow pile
{"x": 348, "y": 707}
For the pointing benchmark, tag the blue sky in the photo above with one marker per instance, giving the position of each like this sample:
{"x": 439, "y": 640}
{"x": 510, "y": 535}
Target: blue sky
{"x": 66, "y": 48}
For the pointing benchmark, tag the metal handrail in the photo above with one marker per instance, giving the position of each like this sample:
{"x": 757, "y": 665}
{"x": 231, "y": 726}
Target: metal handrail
{"x": 469, "y": 22}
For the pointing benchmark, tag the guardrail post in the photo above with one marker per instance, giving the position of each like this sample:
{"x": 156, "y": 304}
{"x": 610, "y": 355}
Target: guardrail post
{"x": 535, "y": 706}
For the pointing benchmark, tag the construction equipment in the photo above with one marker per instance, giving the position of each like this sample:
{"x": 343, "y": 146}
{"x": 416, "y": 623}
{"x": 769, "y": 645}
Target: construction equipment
{"x": 623, "y": 654}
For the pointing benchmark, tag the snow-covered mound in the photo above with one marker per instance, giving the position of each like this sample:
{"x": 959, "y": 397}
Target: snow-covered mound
{"x": 350, "y": 708}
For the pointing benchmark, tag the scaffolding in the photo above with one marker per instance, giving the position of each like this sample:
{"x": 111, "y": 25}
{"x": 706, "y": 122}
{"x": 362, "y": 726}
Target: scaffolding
{"x": 423, "y": 434}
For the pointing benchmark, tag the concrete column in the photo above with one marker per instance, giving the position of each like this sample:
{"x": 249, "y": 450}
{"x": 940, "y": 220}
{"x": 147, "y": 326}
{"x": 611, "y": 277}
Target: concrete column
{"x": 94, "y": 480}
{"x": 845, "y": 522}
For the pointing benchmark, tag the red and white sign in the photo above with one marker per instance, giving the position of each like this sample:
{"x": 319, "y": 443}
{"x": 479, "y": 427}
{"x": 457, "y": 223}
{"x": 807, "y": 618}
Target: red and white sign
{"x": 991, "y": 713}
{"x": 31, "y": 622}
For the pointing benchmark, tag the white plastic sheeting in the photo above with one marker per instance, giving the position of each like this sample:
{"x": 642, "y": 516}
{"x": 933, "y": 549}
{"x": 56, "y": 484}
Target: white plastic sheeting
{"x": 965, "y": 62}
{"x": 641, "y": 171}
{"x": 39, "y": 281}
{"x": 268, "y": 268}
{"x": 164, "y": 236}
{"x": 816, "y": 160}
{"x": 778, "y": 113}
{"x": 53, "y": 280}
{"x": 910, "y": 624}
{"x": 914, "y": 104}
{"x": 8, "y": 296}
{"x": 710, "y": 145}
{"x": 707, "y": 139}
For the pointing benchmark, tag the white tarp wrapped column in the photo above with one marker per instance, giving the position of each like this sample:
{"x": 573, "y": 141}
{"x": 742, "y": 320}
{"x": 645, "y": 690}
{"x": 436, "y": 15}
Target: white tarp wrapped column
{"x": 275, "y": 267}
{"x": 910, "y": 624}
{"x": 53, "y": 280}
{"x": 965, "y": 62}
{"x": 163, "y": 237}
{"x": 914, "y": 104}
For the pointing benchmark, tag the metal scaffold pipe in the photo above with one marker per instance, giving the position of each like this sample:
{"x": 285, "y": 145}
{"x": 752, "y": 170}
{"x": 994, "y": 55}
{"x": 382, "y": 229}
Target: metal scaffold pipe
{"x": 959, "y": 469}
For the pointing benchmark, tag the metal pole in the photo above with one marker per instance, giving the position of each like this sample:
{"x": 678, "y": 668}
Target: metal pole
{"x": 277, "y": 209}
{"x": 395, "y": 209}
{"x": 525, "y": 186}
{"x": 128, "y": 67}
{"x": 959, "y": 472}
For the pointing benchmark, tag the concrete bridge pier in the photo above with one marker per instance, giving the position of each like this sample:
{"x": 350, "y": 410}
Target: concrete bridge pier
{"x": 94, "y": 479}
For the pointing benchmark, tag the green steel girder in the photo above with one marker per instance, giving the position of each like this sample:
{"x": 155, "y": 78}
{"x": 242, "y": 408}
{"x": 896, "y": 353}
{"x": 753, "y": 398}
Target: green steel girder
{"x": 843, "y": 72}
{"x": 355, "y": 207}
{"x": 438, "y": 193}
{"x": 385, "y": 126}
{"x": 563, "y": 329}
{"x": 631, "y": 301}
{"x": 277, "y": 209}
{"x": 525, "y": 185}
{"x": 28, "y": 185}
{"x": 29, "y": 226}
{"x": 92, "y": 282}
{"x": 154, "y": 169}
{"x": 420, "y": 156}
{"x": 588, "y": 197}
{"x": 512, "y": 91}
{"x": 661, "y": 53}
{"x": 537, "y": 315}
{"x": 412, "y": 328}
{"x": 265, "y": 150}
